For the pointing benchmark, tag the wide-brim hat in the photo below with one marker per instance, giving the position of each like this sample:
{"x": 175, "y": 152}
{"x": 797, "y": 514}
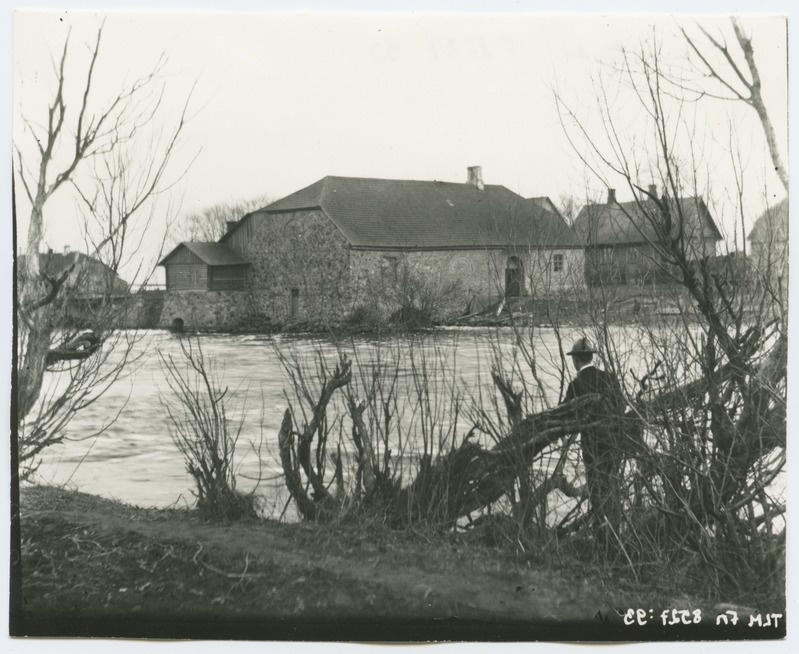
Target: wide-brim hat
{"x": 581, "y": 346}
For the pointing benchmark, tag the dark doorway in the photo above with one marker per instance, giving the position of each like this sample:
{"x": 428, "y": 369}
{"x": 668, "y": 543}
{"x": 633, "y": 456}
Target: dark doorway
{"x": 294, "y": 309}
{"x": 514, "y": 277}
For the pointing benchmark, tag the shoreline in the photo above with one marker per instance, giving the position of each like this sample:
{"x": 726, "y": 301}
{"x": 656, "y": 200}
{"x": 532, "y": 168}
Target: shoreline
{"x": 92, "y": 563}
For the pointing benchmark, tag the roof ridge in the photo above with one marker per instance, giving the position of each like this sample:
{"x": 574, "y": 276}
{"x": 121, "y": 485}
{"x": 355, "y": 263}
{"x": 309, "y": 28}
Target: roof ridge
{"x": 605, "y": 204}
{"x": 395, "y": 179}
{"x": 410, "y": 213}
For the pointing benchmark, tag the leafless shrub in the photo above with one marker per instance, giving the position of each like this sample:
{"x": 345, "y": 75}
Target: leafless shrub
{"x": 203, "y": 431}
{"x": 359, "y": 428}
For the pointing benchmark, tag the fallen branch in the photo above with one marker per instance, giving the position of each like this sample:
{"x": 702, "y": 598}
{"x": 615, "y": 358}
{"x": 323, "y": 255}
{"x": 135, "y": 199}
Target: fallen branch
{"x": 77, "y": 348}
{"x": 471, "y": 477}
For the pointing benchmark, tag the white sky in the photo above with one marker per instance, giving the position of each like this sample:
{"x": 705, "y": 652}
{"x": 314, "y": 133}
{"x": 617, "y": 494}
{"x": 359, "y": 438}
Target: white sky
{"x": 282, "y": 100}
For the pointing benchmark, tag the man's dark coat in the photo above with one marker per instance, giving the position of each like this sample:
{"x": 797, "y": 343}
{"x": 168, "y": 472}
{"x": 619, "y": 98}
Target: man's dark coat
{"x": 600, "y": 445}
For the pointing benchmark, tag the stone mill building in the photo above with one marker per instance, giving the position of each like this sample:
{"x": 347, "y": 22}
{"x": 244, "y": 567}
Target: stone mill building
{"x": 348, "y": 244}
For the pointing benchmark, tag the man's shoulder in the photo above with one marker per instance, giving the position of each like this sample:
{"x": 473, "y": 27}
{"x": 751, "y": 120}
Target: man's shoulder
{"x": 604, "y": 374}
{"x": 597, "y": 379}
{"x": 593, "y": 371}
{"x": 590, "y": 372}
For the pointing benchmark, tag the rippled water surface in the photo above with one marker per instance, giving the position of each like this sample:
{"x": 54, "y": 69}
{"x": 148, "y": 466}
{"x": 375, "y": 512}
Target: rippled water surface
{"x": 136, "y": 461}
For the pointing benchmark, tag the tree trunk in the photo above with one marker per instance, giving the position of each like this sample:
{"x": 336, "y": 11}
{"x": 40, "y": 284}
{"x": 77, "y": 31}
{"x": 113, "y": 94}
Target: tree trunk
{"x": 471, "y": 477}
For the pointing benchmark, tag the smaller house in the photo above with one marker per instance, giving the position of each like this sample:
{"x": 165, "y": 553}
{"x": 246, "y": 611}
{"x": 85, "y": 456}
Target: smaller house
{"x": 89, "y": 278}
{"x": 622, "y": 238}
{"x": 769, "y": 243}
{"x": 194, "y": 266}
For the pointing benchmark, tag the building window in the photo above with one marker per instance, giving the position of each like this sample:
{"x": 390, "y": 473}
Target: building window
{"x": 631, "y": 255}
{"x": 558, "y": 263}
{"x": 294, "y": 303}
{"x": 388, "y": 269}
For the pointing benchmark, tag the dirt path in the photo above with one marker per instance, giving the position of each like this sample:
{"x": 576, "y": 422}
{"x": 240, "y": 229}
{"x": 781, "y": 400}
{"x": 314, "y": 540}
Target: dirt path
{"x": 86, "y": 556}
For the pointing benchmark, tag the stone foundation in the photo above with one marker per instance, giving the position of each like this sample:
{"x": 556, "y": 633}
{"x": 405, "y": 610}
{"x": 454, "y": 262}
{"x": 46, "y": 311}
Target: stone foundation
{"x": 209, "y": 310}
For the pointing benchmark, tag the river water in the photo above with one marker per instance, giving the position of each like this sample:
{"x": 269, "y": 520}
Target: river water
{"x": 136, "y": 461}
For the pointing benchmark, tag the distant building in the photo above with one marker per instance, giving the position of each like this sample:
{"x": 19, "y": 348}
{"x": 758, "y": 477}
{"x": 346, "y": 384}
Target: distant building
{"x": 769, "y": 243}
{"x": 621, "y": 238}
{"x": 338, "y": 244}
{"x": 88, "y": 279}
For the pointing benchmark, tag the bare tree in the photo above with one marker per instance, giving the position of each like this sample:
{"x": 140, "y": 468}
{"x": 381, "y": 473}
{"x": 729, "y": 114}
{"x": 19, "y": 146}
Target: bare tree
{"x": 117, "y": 160}
{"x": 707, "y": 385}
{"x": 725, "y": 76}
{"x": 568, "y": 205}
{"x": 210, "y": 223}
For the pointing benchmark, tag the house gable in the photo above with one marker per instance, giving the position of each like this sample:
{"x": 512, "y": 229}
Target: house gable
{"x": 198, "y": 266}
{"x": 628, "y": 223}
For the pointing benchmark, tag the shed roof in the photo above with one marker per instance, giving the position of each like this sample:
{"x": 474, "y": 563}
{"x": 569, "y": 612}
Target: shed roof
{"x": 772, "y": 224}
{"x": 390, "y": 213}
{"x": 627, "y": 223}
{"x": 212, "y": 254}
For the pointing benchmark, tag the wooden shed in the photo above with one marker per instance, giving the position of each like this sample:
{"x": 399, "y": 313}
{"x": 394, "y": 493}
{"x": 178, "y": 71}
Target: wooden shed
{"x": 195, "y": 266}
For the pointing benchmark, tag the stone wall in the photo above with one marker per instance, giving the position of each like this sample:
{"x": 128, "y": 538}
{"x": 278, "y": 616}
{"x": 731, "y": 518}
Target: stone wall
{"x": 300, "y": 250}
{"x": 543, "y": 278}
{"x": 143, "y": 311}
{"x": 304, "y": 271}
{"x": 448, "y": 279}
{"x": 209, "y": 310}
{"x": 456, "y": 278}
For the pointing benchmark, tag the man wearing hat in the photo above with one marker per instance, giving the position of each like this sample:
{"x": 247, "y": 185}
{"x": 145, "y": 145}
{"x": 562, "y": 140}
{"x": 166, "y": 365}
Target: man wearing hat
{"x": 600, "y": 445}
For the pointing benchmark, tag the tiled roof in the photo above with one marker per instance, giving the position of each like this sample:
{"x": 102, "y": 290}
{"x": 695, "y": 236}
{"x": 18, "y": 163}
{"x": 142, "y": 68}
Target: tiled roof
{"x": 772, "y": 225}
{"x": 212, "y": 254}
{"x": 627, "y": 223}
{"x": 388, "y": 213}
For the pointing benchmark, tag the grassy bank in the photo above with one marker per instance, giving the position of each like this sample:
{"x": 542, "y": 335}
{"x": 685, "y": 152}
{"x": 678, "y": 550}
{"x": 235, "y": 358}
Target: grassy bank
{"x": 90, "y": 565}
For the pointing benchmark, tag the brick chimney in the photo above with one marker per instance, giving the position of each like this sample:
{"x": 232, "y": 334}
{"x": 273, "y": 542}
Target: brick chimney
{"x": 475, "y": 177}
{"x": 611, "y": 196}
{"x": 67, "y": 249}
{"x": 653, "y": 190}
